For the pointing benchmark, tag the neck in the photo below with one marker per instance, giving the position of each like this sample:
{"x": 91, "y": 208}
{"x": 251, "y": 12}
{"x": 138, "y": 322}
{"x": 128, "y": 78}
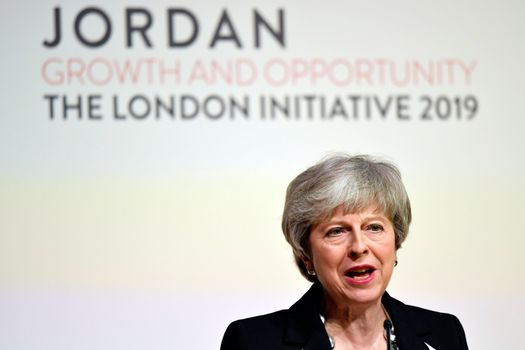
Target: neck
{"x": 356, "y": 326}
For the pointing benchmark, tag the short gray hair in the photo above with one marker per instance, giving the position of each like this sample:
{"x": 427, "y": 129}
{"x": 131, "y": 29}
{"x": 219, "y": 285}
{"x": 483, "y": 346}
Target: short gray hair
{"x": 355, "y": 182}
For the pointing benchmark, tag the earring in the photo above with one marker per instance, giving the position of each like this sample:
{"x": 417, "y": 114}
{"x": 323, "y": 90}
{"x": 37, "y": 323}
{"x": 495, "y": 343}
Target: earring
{"x": 307, "y": 263}
{"x": 395, "y": 264}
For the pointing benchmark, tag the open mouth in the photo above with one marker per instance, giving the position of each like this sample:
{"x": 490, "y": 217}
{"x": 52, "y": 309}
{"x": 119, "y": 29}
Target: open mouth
{"x": 360, "y": 273}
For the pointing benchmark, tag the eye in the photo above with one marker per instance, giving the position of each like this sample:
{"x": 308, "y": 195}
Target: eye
{"x": 375, "y": 228}
{"x": 336, "y": 231}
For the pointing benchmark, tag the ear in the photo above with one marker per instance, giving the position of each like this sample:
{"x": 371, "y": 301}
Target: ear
{"x": 307, "y": 262}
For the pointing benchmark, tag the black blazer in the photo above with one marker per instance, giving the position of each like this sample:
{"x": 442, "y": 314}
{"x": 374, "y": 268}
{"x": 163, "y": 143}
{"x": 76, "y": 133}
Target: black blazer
{"x": 300, "y": 327}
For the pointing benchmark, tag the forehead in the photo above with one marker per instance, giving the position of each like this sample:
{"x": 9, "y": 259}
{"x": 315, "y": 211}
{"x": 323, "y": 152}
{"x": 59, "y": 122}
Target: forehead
{"x": 366, "y": 208}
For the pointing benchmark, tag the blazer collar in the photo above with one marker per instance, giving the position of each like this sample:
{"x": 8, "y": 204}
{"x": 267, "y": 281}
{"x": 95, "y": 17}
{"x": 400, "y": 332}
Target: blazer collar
{"x": 304, "y": 325}
{"x": 408, "y": 332}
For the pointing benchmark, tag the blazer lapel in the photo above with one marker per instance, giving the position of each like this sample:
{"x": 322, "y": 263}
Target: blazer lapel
{"x": 305, "y": 329}
{"x": 408, "y": 333}
{"x": 304, "y": 326}
{"x": 318, "y": 341}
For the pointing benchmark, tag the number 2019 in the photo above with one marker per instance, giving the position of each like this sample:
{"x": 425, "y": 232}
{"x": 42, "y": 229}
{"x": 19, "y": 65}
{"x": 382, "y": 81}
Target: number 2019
{"x": 446, "y": 108}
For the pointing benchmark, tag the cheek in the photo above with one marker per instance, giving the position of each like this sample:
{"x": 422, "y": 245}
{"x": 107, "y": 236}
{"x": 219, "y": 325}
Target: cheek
{"x": 388, "y": 258}
{"x": 327, "y": 259}
{"x": 389, "y": 247}
{"x": 387, "y": 253}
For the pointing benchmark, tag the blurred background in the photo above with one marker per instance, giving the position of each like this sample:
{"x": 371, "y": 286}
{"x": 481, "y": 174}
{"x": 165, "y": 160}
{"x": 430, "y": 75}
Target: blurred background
{"x": 145, "y": 151}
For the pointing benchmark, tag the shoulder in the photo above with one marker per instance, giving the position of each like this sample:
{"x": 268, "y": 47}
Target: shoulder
{"x": 263, "y": 323}
{"x": 259, "y": 332}
{"x": 419, "y": 314}
{"x": 438, "y": 329}
{"x": 284, "y": 329}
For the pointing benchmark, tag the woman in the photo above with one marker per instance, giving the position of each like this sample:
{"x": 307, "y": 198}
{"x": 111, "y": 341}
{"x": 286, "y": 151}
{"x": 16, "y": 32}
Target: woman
{"x": 345, "y": 219}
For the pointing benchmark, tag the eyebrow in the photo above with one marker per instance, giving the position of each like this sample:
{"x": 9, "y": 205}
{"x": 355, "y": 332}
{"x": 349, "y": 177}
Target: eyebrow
{"x": 343, "y": 222}
{"x": 377, "y": 217}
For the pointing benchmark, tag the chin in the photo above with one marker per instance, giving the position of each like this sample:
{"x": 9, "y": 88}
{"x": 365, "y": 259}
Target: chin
{"x": 364, "y": 296}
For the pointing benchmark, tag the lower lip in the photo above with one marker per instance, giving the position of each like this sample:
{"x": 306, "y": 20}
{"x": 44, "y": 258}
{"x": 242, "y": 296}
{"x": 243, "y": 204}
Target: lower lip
{"x": 361, "y": 281}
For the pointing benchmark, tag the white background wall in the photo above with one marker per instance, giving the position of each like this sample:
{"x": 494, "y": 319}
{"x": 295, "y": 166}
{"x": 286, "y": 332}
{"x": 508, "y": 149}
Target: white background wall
{"x": 155, "y": 234}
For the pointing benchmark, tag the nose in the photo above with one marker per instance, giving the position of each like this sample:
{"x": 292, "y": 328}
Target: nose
{"x": 357, "y": 245}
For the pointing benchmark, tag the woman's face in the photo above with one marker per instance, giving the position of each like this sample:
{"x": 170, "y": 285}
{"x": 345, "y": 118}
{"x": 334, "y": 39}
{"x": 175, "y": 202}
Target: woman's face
{"x": 353, "y": 255}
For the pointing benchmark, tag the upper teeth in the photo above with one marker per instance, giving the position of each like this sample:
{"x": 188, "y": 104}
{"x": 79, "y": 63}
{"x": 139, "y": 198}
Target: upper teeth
{"x": 361, "y": 270}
